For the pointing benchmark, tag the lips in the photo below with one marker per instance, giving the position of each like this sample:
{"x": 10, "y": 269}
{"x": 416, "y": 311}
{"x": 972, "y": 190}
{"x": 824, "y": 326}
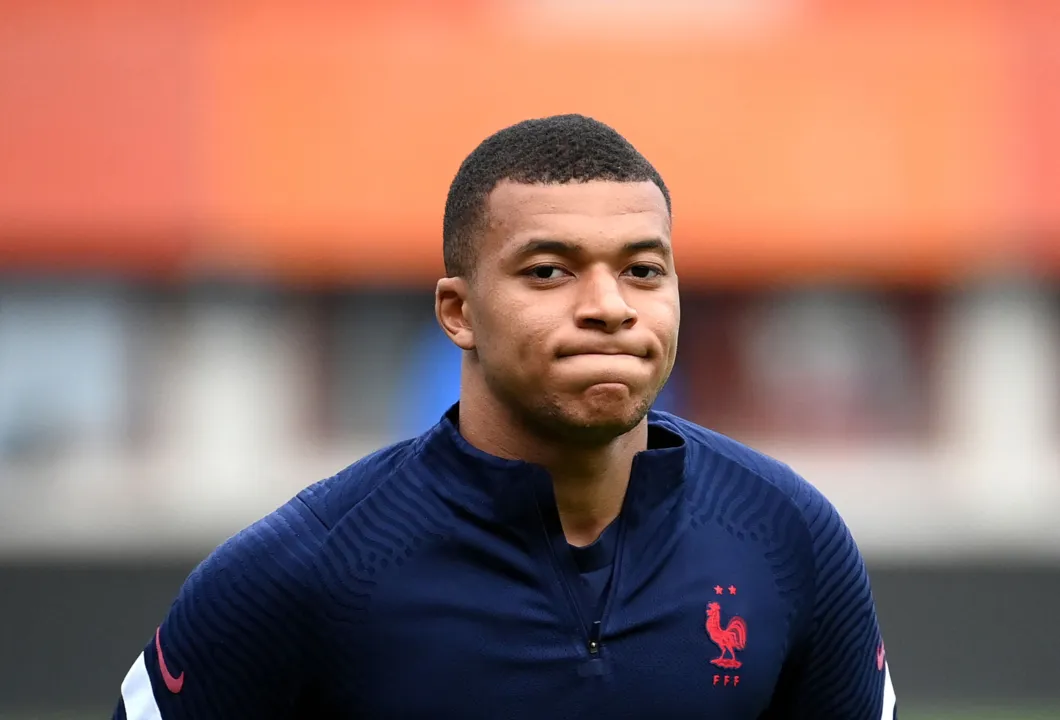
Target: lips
{"x": 609, "y": 351}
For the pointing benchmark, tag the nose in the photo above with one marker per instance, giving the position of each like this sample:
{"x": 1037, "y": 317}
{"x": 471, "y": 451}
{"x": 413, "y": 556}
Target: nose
{"x": 601, "y": 304}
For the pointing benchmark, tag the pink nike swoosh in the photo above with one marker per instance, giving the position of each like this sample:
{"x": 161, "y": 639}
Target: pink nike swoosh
{"x": 173, "y": 684}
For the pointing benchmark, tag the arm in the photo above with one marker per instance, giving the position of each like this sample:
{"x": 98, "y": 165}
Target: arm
{"x": 839, "y": 671}
{"x": 235, "y": 642}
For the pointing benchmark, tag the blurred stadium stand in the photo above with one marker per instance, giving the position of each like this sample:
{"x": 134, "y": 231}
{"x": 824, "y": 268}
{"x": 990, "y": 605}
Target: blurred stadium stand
{"x": 220, "y": 226}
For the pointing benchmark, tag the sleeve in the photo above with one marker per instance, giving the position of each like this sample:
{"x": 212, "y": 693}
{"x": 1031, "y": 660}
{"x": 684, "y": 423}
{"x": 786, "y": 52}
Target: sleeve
{"x": 235, "y": 642}
{"x": 839, "y": 671}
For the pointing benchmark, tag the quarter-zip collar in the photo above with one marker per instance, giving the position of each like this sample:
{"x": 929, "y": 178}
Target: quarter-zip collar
{"x": 492, "y": 482}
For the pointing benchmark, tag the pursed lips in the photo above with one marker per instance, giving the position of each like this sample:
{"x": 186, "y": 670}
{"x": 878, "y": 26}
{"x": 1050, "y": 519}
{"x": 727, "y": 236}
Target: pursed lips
{"x": 602, "y": 353}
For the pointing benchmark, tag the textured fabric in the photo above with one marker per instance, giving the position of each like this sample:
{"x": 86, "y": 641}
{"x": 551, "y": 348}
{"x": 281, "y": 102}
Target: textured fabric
{"x": 431, "y": 580}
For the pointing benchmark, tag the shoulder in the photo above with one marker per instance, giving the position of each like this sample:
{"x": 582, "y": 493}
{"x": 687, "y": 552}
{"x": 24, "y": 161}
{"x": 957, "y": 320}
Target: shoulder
{"x": 244, "y": 626}
{"x": 270, "y": 558}
{"x": 715, "y": 461}
{"x": 375, "y": 514}
{"x": 282, "y": 547}
{"x": 240, "y": 622}
{"x": 741, "y": 486}
{"x": 835, "y": 647}
{"x": 758, "y": 498}
{"x": 333, "y": 499}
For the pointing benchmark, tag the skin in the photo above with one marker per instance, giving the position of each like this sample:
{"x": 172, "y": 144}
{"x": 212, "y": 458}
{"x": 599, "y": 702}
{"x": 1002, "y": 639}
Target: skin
{"x": 569, "y": 326}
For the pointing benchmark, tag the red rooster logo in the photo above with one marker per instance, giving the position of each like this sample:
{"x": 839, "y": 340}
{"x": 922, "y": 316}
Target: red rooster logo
{"x": 731, "y": 638}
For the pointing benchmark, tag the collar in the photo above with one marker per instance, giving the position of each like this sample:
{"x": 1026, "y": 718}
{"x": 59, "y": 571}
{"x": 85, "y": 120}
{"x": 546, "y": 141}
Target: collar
{"x": 656, "y": 472}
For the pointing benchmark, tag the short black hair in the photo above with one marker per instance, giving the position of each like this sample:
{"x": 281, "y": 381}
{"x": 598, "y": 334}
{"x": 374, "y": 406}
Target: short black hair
{"x": 552, "y": 150}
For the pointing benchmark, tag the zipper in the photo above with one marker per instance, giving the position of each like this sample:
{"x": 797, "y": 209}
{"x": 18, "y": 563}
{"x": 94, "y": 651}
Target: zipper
{"x": 594, "y": 637}
{"x": 595, "y": 665}
{"x": 593, "y": 634}
{"x": 590, "y": 635}
{"x": 563, "y": 564}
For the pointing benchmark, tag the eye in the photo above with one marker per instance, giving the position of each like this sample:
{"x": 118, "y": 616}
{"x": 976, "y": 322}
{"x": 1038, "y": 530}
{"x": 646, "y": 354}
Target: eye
{"x": 545, "y": 272}
{"x": 645, "y": 272}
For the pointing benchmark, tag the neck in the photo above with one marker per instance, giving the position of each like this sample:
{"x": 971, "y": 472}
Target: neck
{"x": 589, "y": 482}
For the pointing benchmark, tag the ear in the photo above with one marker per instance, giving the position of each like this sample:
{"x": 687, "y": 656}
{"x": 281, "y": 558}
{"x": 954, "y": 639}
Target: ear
{"x": 453, "y": 311}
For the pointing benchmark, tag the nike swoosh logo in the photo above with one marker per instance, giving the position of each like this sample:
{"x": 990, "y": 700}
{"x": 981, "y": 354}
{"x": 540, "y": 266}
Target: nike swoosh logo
{"x": 173, "y": 684}
{"x": 881, "y": 657}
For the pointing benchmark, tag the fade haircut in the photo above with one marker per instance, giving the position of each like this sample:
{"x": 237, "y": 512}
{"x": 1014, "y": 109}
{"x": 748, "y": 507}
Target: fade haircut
{"x": 552, "y": 150}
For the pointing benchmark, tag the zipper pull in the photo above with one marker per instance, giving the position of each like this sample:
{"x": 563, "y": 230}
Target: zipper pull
{"x": 595, "y": 665}
{"x": 594, "y": 638}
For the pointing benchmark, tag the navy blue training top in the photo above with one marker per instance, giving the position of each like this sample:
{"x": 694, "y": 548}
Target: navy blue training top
{"x": 431, "y": 580}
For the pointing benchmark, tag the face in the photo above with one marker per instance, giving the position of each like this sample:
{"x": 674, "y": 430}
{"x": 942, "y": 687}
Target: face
{"x": 572, "y": 316}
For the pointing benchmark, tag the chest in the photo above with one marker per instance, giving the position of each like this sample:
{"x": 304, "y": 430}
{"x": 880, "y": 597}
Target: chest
{"x": 694, "y": 628}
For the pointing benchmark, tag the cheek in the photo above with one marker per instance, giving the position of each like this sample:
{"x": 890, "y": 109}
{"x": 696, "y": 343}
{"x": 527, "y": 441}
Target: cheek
{"x": 513, "y": 336}
{"x": 531, "y": 344}
{"x": 665, "y": 322}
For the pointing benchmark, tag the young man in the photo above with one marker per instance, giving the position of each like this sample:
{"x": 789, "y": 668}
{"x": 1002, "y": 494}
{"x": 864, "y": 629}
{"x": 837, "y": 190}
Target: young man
{"x": 552, "y": 548}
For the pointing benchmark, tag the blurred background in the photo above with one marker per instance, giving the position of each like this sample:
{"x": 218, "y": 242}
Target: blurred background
{"x": 220, "y": 224}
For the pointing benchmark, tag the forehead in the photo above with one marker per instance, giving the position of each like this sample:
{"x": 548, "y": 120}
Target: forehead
{"x": 597, "y": 210}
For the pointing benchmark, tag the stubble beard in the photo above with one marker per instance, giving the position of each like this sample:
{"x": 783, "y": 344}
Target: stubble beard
{"x": 548, "y": 417}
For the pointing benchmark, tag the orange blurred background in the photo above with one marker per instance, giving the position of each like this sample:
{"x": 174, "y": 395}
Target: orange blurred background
{"x": 896, "y": 142}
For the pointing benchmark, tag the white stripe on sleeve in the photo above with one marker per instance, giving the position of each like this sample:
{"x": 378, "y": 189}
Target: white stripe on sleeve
{"x": 137, "y": 694}
{"x": 889, "y": 698}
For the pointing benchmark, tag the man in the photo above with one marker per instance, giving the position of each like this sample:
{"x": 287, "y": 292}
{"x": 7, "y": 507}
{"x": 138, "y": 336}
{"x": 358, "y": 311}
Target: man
{"x": 552, "y": 548}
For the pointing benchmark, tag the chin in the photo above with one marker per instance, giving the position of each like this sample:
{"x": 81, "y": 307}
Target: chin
{"x": 597, "y": 419}
{"x": 592, "y": 414}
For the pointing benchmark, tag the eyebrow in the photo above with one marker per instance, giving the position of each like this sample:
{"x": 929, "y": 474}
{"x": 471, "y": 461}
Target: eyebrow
{"x": 570, "y": 249}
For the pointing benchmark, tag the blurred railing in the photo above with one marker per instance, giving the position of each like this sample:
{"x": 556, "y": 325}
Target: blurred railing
{"x": 161, "y": 421}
